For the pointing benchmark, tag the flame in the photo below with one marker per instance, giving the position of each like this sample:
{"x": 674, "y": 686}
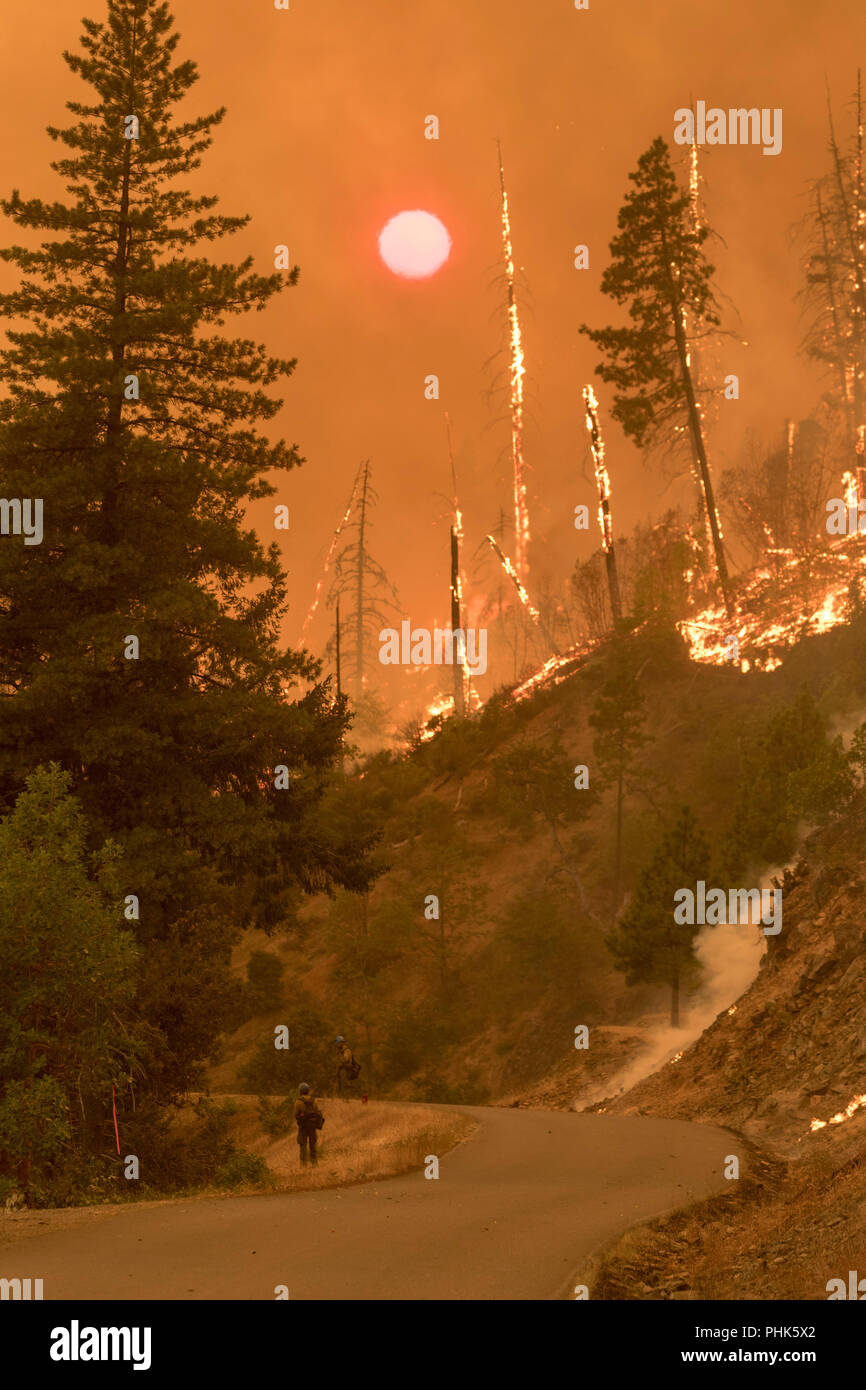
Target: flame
{"x": 511, "y": 571}
{"x": 457, "y": 527}
{"x": 841, "y": 1116}
{"x": 602, "y": 477}
{"x": 517, "y": 371}
{"x": 779, "y": 590}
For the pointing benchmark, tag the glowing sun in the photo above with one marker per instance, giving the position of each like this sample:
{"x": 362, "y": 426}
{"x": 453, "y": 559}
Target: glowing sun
{"x": 414, "y": 244}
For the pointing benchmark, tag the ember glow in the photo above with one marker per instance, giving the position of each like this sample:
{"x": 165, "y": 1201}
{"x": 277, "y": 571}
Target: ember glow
{"x": 850, "y": 1109}
{"x": 803, "y": 605}
{"x": 517, "y": 372}
{"x": 804, "y": 598}
{"x": 511, "y": 571}
{"x": 459, "y": 590}
{"x": 602, "y": 478}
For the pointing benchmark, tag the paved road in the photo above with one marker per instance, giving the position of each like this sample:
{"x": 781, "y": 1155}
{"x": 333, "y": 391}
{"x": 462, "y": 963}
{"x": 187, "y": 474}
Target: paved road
{"x": 514, "y": 1214}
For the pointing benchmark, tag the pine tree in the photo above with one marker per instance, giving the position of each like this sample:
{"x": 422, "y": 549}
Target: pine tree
{"x": 537, "y": 782}
{"x": 836, "y": 281}
{"x": 618, "y": 720}
{"x": 139, "y": 643}
{"x": 659, "y": 270}
{"x": 647, "y": 944}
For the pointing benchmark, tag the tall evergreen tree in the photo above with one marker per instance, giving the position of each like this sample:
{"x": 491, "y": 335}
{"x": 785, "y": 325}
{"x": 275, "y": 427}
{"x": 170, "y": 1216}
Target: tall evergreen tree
{"x": 836, "y": 282}
{"x": 647, "y": 944}
{"x": 140, "y": 642}
{"x": 618, "y": 719}
{"x": 659, "y": 270}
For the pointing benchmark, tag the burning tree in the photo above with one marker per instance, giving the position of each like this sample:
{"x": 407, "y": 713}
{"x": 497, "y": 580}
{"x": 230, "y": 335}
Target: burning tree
{"x": 835, "y": 289}
{"x": 659, "y": 270}
{"x": 367, "y": 596}
{"x": 605, "y": 520}
{"x": 516, "y": 373}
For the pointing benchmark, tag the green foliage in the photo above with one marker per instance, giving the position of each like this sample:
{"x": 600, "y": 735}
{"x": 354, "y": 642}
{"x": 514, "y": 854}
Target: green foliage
{"x": 820, "y": 791}
{"x": 658, "y": 269}
{"x": 857, "y": 753}
{"x": 34, "y": 1124}
{"x": 469, "y": 1090}
{"x": 264, "y": 982}
{"x": 416, "y": 1036}
{"x": 660, "y": 556}
{"x": 146, "y": 514}
{"x": 618, "y": 718}
{"x": 309, "y": 1057}
{"x": 242, "y": 1167}
{"x": 647, "y": 944}
{"x": 277, "y": 1120}
{"x": 540, "y": 950}
{"x": 536, "y": 781}
{"x": 176, "y": 1157}
{"x": 789, "y": 771}
{"x": 66, "y": 981}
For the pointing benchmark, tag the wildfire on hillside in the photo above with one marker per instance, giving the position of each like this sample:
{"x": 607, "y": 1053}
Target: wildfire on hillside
{"x": 787, "y": 598}
{"x": 804, "y": 594}
{"x": 841, "y": 1116}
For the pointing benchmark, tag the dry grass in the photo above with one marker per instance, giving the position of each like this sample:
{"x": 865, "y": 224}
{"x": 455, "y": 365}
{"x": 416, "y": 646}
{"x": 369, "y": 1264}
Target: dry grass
{"x": 358, "y": 1142}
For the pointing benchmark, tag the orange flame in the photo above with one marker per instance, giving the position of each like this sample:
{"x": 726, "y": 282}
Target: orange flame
{"x": 517, "y": 371}
{"x": 841, "y": 1116}
{"x": 602, "y": 477}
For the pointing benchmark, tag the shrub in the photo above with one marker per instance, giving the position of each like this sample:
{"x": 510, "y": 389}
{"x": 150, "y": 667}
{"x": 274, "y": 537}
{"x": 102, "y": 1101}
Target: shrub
{"x": 309, "y": 1056}
{"x": 264, "y": 990}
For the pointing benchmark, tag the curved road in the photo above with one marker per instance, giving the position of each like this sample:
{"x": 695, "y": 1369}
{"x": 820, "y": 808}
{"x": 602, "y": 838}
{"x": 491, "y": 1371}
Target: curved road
{"x": 515, "y": 1212}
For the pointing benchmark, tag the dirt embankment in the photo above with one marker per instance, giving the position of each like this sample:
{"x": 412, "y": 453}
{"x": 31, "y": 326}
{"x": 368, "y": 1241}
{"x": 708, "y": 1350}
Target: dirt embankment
{"x": 786, "y": 1071}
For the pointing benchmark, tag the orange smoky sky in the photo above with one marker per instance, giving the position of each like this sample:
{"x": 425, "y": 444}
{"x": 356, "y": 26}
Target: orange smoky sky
{"x": 324, "y": 141}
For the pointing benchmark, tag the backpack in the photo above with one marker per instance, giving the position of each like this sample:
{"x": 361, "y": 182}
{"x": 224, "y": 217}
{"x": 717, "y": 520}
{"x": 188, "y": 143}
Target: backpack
{"x": 354, "y": 1071}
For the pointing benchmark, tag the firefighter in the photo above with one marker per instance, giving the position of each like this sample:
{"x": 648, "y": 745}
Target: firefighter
{"x": 346, "y": 1064}
{"x": 309, "y": 1120}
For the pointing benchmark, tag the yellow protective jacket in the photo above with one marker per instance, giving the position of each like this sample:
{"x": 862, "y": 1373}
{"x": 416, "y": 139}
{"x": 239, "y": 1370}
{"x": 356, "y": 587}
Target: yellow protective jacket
{"x": 345, "y": 1057}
